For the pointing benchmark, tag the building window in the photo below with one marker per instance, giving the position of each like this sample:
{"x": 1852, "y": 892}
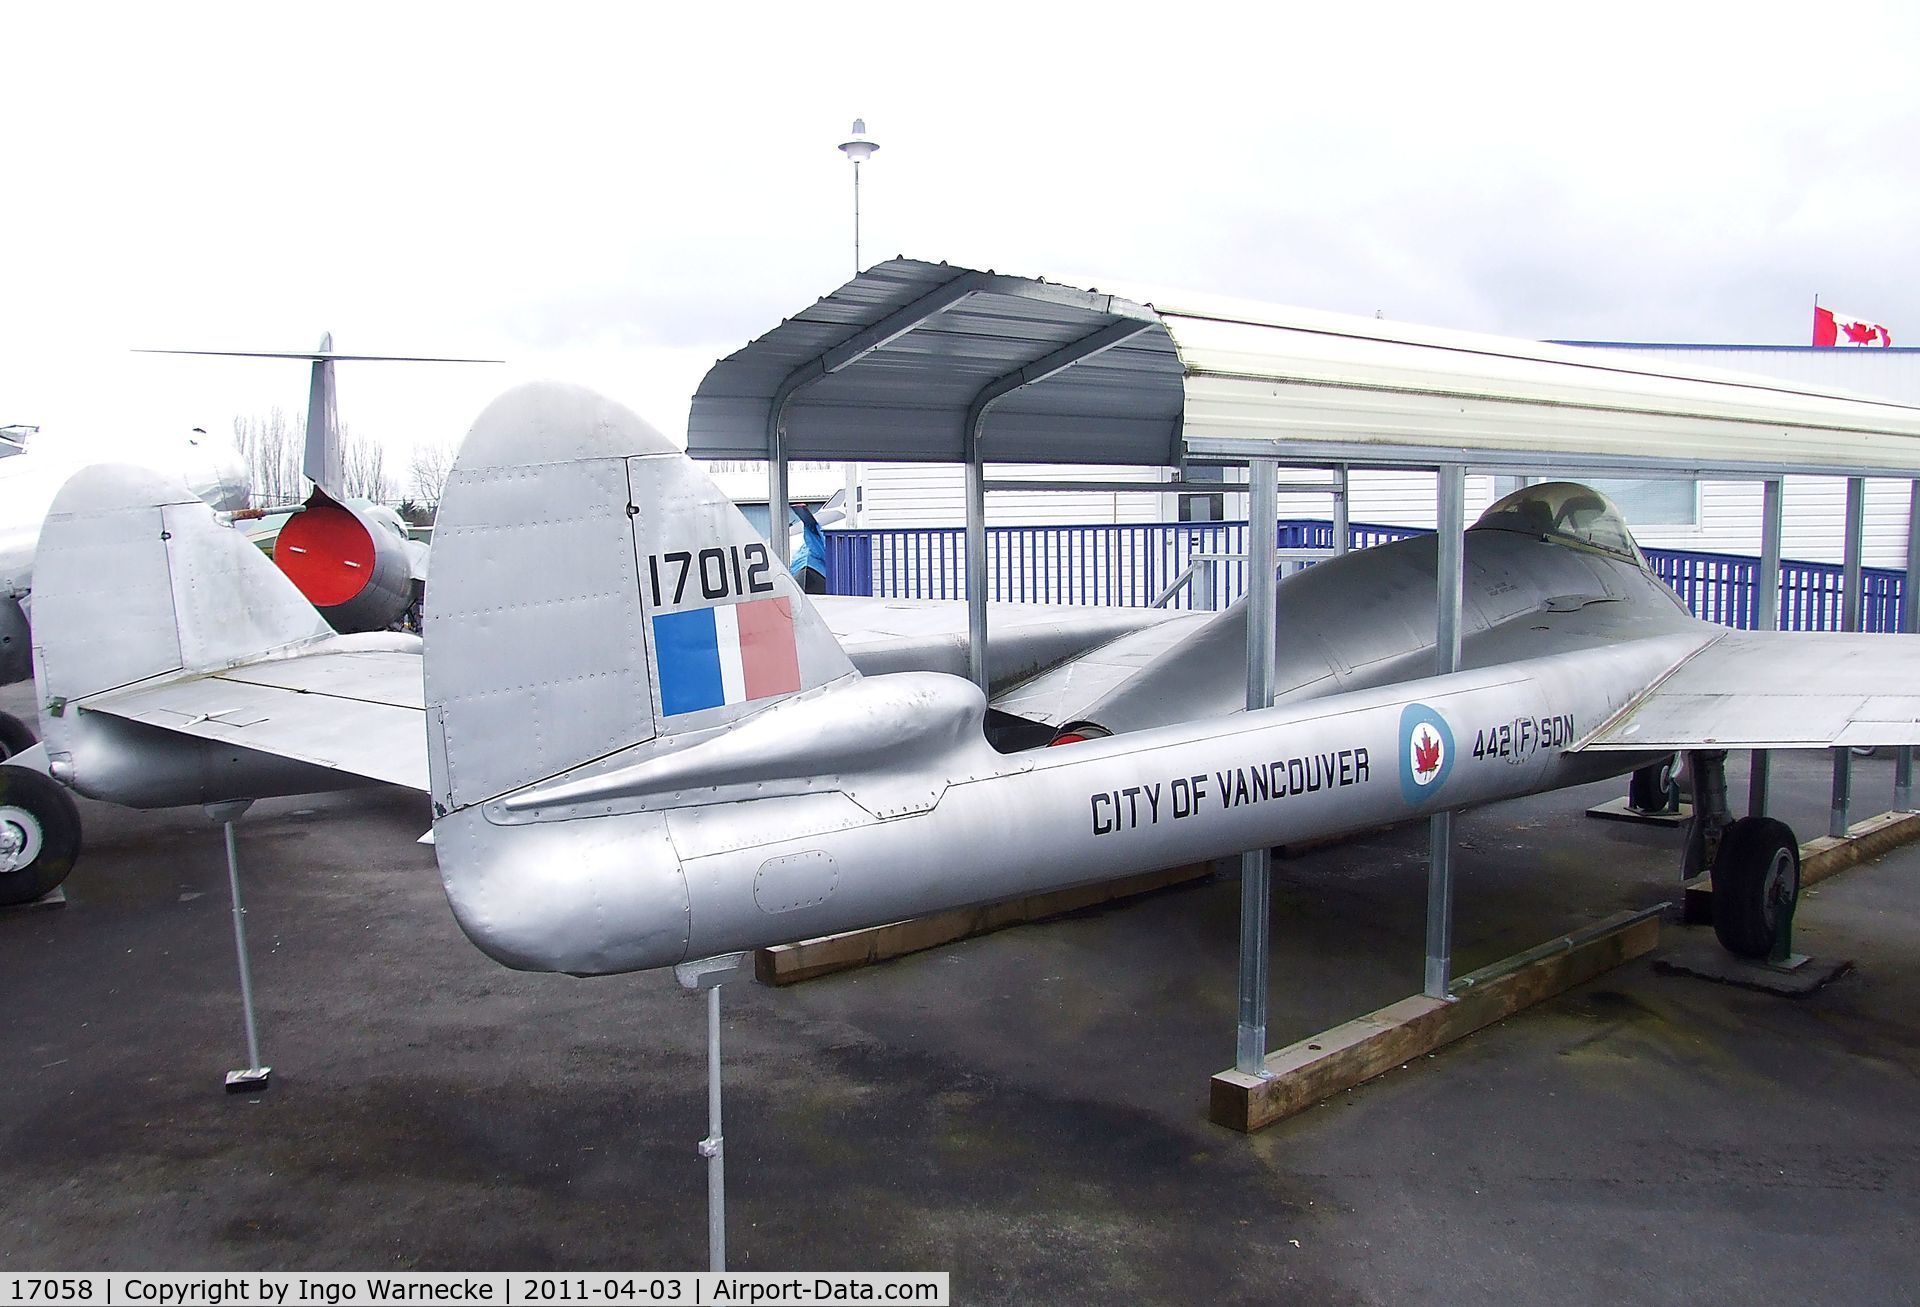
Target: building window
{"x": 1660, "y": 502}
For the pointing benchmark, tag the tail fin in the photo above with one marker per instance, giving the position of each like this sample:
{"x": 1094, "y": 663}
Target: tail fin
{"x": 594, "y": 593}
{"x": 324, "y": 463}
{"x": 135, "y": 577}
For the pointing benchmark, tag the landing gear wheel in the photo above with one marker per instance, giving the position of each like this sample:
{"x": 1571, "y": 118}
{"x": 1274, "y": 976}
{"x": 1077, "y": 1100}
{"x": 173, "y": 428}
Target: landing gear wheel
{"x": 15, "y": 736}
{"x": 39, "y": 835}
{"x": 1756, "y": 882}
{"x": 1653, "y": 789}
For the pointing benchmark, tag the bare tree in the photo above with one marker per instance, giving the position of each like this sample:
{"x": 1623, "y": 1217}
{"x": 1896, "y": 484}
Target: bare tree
{"x": 364, "y": 464}
{"x": 431, "y": 464}
{"x": 271, "y": 448}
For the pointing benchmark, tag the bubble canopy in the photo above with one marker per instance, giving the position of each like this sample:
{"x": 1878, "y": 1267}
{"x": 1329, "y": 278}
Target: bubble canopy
{"x": 1565, "y": 511}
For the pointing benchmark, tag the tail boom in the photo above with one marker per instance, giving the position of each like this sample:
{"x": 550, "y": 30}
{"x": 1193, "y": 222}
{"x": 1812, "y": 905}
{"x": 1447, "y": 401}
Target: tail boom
{"x": 615, "y": 791}
{"x": 583, "y": 879}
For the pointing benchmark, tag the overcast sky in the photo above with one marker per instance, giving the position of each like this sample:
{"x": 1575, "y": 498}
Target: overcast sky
{"x": 622, "y": 195}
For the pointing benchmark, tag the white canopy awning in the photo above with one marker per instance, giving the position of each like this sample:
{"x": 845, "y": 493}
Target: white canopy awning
{"x": 908, "y": 358}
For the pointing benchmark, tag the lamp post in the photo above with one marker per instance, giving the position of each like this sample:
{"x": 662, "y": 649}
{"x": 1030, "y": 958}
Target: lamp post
{"x": 858, "y": 148}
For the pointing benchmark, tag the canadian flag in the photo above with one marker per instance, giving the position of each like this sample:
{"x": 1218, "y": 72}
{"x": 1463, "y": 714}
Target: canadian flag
{"x": 1830, "y": 328}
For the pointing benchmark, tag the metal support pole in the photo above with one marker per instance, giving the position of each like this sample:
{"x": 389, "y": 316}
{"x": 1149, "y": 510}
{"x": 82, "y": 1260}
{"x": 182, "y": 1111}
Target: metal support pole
{"x": 1838, "y": 816}
{"x": 856, "y": 241}
{"x": 714, "y": 1146}
{"x": 1256, "y": 865}
{"x": 1450, "y": 524}
{"x": 709, "y": 974}
{"x": 256, "y": 1074}
{"x": 1115, "y": 332}
{"x": 1766, "y": 617}
{"x": 1909, "y": 622}
{"x": 1342, "y": 509}
{"x": 977, "y": 570}
{"x": 777, "y": 503}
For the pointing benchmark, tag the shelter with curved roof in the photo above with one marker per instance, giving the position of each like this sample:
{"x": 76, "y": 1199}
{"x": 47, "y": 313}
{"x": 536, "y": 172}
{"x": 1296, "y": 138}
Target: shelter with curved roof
{"x": 926, "y": 361}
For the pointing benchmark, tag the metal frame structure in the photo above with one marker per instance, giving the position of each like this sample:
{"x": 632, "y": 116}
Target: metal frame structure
{"x": 907, "y": 361}
{"x": 256, "y": 1074}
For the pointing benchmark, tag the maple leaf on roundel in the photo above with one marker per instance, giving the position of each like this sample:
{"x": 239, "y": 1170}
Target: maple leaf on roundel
{"x": 1426, "y": 753}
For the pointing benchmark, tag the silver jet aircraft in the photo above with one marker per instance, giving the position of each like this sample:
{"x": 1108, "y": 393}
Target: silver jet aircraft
{"x": 646, "y": 747}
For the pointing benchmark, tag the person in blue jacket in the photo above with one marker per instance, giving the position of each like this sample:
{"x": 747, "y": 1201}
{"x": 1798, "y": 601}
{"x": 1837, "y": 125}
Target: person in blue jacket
{"x": 809, "y": 564}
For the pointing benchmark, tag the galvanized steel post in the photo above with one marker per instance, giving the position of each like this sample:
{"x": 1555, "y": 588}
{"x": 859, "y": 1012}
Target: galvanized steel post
{"x": 716, "y": 1142}
{"x": 256, "y": 1073}
{"x": 1838, "y": 814}
{"x": 1450, "y": 524}
{"x": 777, "y": 490}
{"x": 1115, "y": 332}
{"x": 1766, "y": 617}
{"x": 976, "y": 567}
{"x": 1909, "y": 622}
{"x": 1256, "y": 892}
{"x": 1342, "y": 509}
{"x": 240, "y": 946}
{"x": 709, "y": 974}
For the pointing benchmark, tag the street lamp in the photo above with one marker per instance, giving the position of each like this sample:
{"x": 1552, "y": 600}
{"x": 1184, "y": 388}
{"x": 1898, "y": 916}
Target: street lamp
{"x": 858, "y": 148}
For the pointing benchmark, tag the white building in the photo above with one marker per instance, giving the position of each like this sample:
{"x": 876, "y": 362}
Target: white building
{"x": 1713, "y": 516}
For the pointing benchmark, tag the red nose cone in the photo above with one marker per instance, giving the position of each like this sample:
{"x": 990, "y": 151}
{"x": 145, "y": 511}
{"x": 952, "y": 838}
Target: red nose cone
{"x": 327, "y": 554}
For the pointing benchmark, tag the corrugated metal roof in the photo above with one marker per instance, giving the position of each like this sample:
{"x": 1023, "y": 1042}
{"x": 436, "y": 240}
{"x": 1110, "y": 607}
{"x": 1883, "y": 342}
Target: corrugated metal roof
{"x": 889, "y": 366}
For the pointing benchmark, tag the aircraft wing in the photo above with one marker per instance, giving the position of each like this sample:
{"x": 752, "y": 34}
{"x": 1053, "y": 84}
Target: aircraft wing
{"x": 1774, "y": 690}
{"x": 1065, "y": 692}
{"x": 361, "y": 713}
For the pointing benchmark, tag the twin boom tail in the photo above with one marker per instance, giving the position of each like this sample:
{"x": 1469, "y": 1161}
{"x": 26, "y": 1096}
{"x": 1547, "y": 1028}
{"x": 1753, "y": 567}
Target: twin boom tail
{"x": 646, "y": 748}
{"x": 138, "y": 585}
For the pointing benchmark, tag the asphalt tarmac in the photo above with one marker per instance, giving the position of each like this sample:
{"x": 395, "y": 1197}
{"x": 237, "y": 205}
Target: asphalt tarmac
{"x": 1026, "y": 1111}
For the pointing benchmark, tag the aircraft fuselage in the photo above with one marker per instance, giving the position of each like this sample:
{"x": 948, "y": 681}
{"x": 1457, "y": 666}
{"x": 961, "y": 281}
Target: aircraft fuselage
{"x": 691, "y": 854}
{"x": 1367, "y": 619}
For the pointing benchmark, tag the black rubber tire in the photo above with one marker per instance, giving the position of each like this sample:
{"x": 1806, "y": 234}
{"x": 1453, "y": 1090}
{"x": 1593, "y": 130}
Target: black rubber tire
{"x": 1652, "y": 788}
{"x": 1756, "y": 877}
{"x": 15, "y": 736}
{"x": 38, "y": 807}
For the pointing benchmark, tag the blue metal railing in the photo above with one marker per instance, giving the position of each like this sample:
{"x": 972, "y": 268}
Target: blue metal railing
{"x": 1131, "y": 565}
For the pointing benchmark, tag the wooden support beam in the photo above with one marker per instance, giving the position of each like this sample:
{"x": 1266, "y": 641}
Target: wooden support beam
{"x": 789, "y": 964}
{"x": 1302, "y": 1074}
{"x": 1826, "y": 856}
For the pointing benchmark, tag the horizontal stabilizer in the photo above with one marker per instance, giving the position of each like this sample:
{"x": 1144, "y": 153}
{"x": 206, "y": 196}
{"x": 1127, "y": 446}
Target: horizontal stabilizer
{"x": 352, "y": 706}
{"x": 315, "y": 356}
{"x": 323, "y": 461}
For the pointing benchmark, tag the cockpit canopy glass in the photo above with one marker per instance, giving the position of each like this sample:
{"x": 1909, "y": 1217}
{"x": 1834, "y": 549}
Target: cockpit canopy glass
{"x": 1565, "y": 511}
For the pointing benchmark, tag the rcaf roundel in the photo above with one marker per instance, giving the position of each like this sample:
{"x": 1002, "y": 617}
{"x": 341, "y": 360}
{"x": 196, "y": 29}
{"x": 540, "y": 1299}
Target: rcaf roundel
{"x": 1426, "y": 753}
